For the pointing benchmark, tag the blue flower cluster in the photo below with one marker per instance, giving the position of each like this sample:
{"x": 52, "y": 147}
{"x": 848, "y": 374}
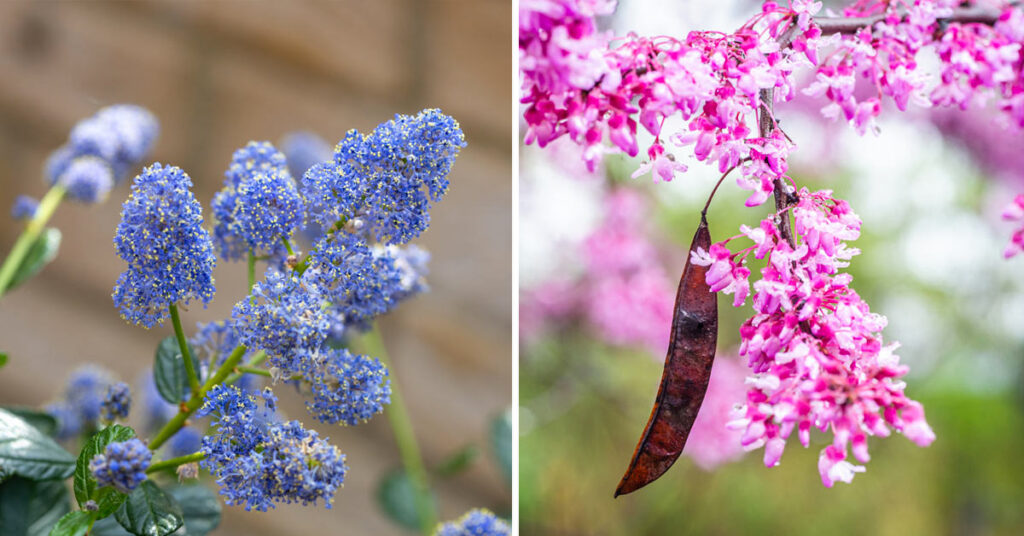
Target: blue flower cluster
{"x": 24, "y": 208}
{"x": 285, "y": 317}
{"x": 387, "y": 178}
{"x": 169, "y": 253}
{"x": 117, "y": 403}
{"x": 347, "y": 388}
{"x": 122, "y": 465}
{"x": 476, "y": 522}
{"x": 259, "y": 205}
{"x": 259, "y": 461}
{"x": 109, "y": 144}
{"x": 79, "y": 408}
{"x": 358, "y": 284}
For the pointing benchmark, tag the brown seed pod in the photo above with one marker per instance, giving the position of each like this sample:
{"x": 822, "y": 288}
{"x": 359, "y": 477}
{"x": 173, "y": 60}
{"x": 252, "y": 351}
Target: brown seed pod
{"x": 691, "y": 352}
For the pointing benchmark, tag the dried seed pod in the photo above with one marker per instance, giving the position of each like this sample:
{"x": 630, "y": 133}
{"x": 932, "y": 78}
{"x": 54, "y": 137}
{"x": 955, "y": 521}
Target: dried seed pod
{"x": 691, "y": 352}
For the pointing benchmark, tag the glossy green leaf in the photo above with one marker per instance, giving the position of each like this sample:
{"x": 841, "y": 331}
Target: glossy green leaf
{"x": 26, "y": 451}
{"x": 200, "y": 506}
{"x": 72, "y": 524}
{"x": 108, "y": 499}
{"x": 169, "y": 371}
{"x": 396, "y": 495}
{"x": 457, "y": 462}
{"x": 31, "y": 507}
{"x": 150, "y": 511}
{"x": 501, "y": 442}
{"x": 42, "y": 421}
{"x": 42, "y": 251}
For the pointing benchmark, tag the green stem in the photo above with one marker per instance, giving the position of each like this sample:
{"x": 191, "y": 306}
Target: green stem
{"x": 175, "y": 462}
{"x": 288, "y": 245}
{"x": 245, "y": 369}
{"x": 251, "y": 272}
{"x": 196, "y": 399}
{"x": 405, "y": 438}
{"x": 47, "y": 206}
{"x": 255, "y": 361}
{"x": 190, "y": 370}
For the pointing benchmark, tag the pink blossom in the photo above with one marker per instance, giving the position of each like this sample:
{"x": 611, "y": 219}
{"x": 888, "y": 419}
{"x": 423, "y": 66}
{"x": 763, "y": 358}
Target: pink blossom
{"x": 814, "y": 345}
{"x": 1015, "y": 212}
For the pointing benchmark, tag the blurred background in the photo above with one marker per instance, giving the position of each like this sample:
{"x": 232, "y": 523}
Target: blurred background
{"x": 929, "y": 188}
{"x": 216, "y": 75}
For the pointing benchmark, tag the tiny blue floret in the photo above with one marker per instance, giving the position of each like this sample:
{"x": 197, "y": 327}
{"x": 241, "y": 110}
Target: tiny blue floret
{"x": 476, "y": 522}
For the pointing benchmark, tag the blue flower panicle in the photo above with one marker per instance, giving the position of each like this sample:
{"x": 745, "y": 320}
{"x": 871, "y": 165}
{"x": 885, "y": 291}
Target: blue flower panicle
{"x": 169, "y": 253}
{"x": 259, "y": 462}
{"x": 411, "y": 263}
{"x": 24, "y": 207}
{"x": 88, "y": 179}
{"x": 257, "y": 214}
{"x": 358, "y": 284}
{"x": 80, "y": 407}
{"x": 121, "y": 134}
{"x": 347, "y": 388}
{"x": 476, "y": 522}
{"x": 122, "y": 465}
{"x": 387, "y": 178}
{"x": 117, "y": 403}
{"x": 283, "y": 316}
{"x": 256, "y": 157}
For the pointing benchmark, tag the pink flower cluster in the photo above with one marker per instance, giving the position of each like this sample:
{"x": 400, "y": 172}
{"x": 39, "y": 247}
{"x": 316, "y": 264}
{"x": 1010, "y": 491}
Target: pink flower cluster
{"x": 1015, "y": 212}
{"x": 814, "y": 345}
{"x": 578, "y": 82}
{"x": 624, "y": 294}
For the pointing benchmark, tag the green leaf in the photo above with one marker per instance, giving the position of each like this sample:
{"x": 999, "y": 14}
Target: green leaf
{"x": 3, "y": 359}
{"x": 200, "y": 506}
{"x": 169, "y": 370}
{"x": 27, "y": 452}
{"x": 457, "y": 462}
{"x": 72, "y": 524}
{"x": 501, "y": 442}
{"x": 42, "y": 421}
{"x": 396, "y": 495}
{"x": 149, "y": 511}
{"x": 107, "y": 498}
{"x": 31, "y": 507}
{"x": 40, "y": 253}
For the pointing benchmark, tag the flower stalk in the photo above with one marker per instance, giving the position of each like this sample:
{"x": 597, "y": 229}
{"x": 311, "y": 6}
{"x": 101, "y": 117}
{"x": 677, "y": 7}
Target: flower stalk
{"x": 47, "y": 206}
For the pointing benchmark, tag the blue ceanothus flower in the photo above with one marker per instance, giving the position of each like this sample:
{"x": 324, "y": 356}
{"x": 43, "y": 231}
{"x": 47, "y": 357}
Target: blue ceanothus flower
{"x": 122, "y": 465}
{"x": 169, "y": 253}
{"x": 259, "y": 205}
{"x": 24, "y": 207}
{"x": 117, "y": 403}
{"x": 476, "y": 522}
{"x": 284, "y": 316}
{"x": 358, "y": 284}
{"x": 346, "y": 388}
{"x": 120, "y": 136}
{"x": 88, "y": 179}
{"x": 388, "y": 178}
{"x": 304, "y": 150}
{"x": 260, "y": 461}
{"x": 80, "y": 407}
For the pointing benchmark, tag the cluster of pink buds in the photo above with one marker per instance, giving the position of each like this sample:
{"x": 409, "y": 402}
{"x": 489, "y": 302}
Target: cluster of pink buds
{"x": 814, "y": 345}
